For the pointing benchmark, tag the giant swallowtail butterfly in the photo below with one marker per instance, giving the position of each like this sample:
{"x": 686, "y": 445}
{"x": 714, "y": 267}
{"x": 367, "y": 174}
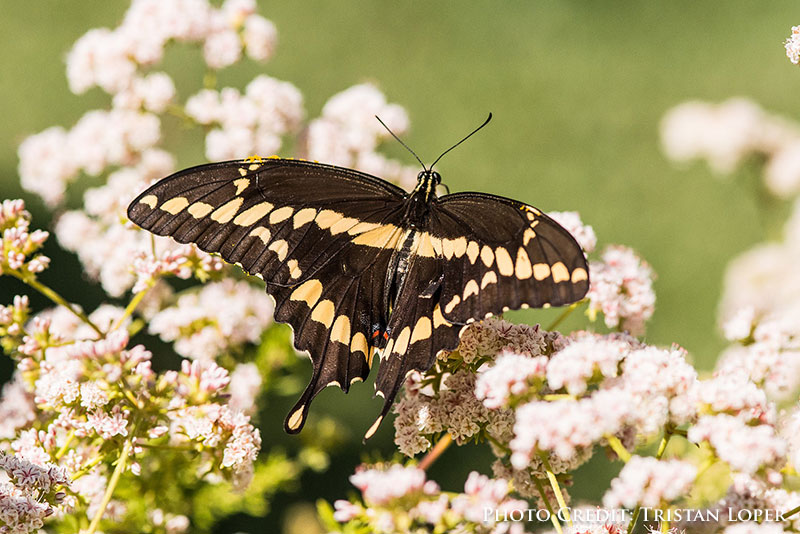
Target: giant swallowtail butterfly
{"x": 360, "y": 267}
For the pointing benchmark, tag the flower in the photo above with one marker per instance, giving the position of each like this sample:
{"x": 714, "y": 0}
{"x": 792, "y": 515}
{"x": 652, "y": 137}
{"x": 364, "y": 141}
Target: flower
{"x": 622, "y": 288}
{"x": 18, "y": 243}
{"x": 792, "y": 45}
{"x": 650, "y": 483}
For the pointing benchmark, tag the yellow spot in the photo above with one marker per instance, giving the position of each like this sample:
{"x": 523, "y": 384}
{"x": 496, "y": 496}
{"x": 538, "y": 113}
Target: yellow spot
{"x": 425, "y": 246}
{"x": 472, "y": 251}
{"x": 303, "y": 217}
{"x": 242, "y": 171}
{"x": 362, "y": 227}
{"x": 341, "y": 330}
{"x": 343, "y": 225}
{"x": 254, "y": 167}
{"x": 402, "y": 341}
{"x": 487, "y": 256}
{"x": 579, "y": 274}
{"x": 534, "y": 210}
{"x": 280, "y": 214}
{"x": 274, "y": 156}
{"x": 470, "y": 289}
{"x": 323, "y": 313}
{"x": 253, "y": 214}
{"x": 226, "y": 212}
{"x": 386, "y": 236}
{"x": 531, "y": 216}
{"x": 200, "y": 209}
{"x": 541, "y": 271}
{"x": 150, "y": 200}
{"x": 452, "y": 304}
{"x": 241, "y": 184}
{"x": 422, "y": 330}
{"x": 175, "y": 205}
{"x": 546, "y": 305}
{"x": 488, "y": 278}
{"x": 447, "y": 248}
{"x": 262, "y": 233}
{"x": 281, "y": 248}
{"x": 359, "y": 344}
{"x": 294, "y": 269}
{"x": 327, "y": 218}
{"x": 254, "y": 158}
{"x": 528, "y": 235}
{"x": 560, "y": 272}
{"x": 436, "y": 243}
{"x": 333, "y": 383}
{"x": 524, "y": 306}
{"x": 522, "y": 268}
{"x": 309, "y": 292}
{"x": 459, "y": 246}
{"x": 504, "y": 263}
{"x": 356, "y": 379}
{"x": 438, "y": 318}
{"x": 373, "y": 428}
{"x": 296, "y": 418}
{"x": 387, "y": 351}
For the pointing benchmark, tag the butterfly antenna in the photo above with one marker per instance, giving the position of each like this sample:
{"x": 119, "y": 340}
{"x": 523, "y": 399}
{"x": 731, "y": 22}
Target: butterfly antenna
{"x": 467, "y": 137}
{"x": 401, "y": 142}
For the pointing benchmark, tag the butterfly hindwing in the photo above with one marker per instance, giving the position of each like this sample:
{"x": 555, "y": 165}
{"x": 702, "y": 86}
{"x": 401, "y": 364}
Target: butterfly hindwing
{"x": 502, "y": 254}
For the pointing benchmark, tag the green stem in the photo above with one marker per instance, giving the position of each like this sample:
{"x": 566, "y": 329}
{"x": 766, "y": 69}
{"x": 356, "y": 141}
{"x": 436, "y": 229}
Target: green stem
{"x": 55, "y": 297}
{"x": 562, "y": 503}
{"x": 791, "y": 512}
{"x": 122, "y": 463}
{"x": 129, "y": 309}
{"x": 436, "y": 451}
{"x": 619, "y": 448}
{"x": 668, "y": 432}
{"x": 553, "y": 516}
{"x": 63, "y": 450}
{"x": 566, "y": 313}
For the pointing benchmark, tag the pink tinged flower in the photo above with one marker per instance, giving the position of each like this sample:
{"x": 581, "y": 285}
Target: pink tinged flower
{"x": 564, "y": 427}
{"x": 17, "y": 408}
{"x": 740, "y": 325}
{"x": 381, "y": 486}
{"x": 245, "y": 384}
{"x": 782, "y": 172}
{"x": 649, "y": 482}
{"x": 232, "y": 143}
{"x": 622, "y": 289}
{"x": 792, "y": 45}
{"x": 153, "y": 93}
{"x": 177, "y": 524}
{"x": 204, "y": 106}
{"x": 260, "y": 37}
{"x": 573, "y": 366}
{"x": 235, "y": 11}
{"x": 583, "y": 233}
{"x": 746, "y": 448}
{"x": 344, "y": 511}
{"x": 510, "y": 375}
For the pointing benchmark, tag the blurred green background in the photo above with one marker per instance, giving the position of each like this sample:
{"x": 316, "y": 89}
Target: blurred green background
{"x": 577, "y": 90}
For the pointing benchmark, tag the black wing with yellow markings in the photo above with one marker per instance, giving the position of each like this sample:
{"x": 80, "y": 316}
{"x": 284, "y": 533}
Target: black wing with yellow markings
{"x": 503, "y": 254}
{"x": 358, "y": 267}
{"x": 320, "y": 236}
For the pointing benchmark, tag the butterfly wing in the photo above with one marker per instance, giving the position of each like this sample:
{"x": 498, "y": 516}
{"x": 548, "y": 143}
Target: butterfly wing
{"x": 320, "y": 236}
{"x": 503, "y": 254}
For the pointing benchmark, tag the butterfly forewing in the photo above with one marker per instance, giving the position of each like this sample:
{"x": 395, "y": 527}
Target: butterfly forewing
{"x": 503, "y": 254}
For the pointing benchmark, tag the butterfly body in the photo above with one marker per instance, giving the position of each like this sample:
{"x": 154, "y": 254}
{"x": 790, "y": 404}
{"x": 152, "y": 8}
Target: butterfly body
{"x": 359, "y": 267}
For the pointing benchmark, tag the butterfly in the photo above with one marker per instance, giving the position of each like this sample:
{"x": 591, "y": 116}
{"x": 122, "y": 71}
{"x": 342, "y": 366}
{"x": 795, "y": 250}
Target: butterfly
{"x": 358, "y": 266}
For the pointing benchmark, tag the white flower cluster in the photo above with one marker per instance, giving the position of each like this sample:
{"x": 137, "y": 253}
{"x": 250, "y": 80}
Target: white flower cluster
{"x": 650, "y": 483}
{"x": 622, "y": 289}
{"x": 348, "y": 134}
{"x": 792, "y": 46}
{"x": 218, "y": 318}
{"x": 249, "y": 123}
{"x": 726, "y": 134}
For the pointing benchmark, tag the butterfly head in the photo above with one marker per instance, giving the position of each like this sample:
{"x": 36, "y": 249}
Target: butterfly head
{"x": 429, "y": 178}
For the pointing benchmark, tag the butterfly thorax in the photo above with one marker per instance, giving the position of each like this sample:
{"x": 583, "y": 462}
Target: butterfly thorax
{"x": 419, "y": 201}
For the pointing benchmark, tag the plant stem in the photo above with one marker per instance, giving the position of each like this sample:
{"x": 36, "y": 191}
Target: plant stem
{"x": 55, "y": 297}
{"x": 436, "y": 451}
{"x": 566, "y": 313}
{"x": 129, "y": 309}
{"x": 791, "y": 512}
{"x": 661, "y": 448}
{"x": 618, "y": 448}
{"x": 112, "y": 485}
{"x": 63, "y": 450}
{"x": 553, "y": 516}
{"x": 562, "y": 503}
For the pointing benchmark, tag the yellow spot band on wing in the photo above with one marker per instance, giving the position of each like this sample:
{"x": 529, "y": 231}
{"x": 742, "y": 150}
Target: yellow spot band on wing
{"x": 309, "y": 292}
{"x": 175, "y": 205}
{"x": 149, "y": 200}
{"x": 226, "y": 212}
{"x": 198, "y": 210}
{"x": 253, "y": 214}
